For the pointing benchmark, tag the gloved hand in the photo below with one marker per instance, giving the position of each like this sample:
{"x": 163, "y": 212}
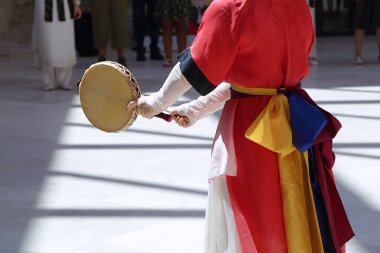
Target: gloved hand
{"x": 175, "y": 85}
{"x": 188, "y": 114}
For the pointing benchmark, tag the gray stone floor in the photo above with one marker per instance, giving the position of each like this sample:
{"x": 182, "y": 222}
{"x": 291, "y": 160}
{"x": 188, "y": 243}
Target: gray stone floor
{"x": 66, "y": 187}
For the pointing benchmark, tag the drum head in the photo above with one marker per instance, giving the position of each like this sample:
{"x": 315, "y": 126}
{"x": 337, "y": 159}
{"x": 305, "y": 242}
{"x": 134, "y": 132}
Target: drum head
{"x": 105, "y": 91}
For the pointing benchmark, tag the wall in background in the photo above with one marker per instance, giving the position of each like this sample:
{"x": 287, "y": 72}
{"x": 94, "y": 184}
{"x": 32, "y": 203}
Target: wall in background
{"x": 16, "y": 20}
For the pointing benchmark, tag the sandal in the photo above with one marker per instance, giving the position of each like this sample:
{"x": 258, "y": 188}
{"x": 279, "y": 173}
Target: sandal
{"x": 49, "y": 87}
{"x": 65, "y": 87}
{"x": 168, "y": 63}
{"x": 359, "y": 60}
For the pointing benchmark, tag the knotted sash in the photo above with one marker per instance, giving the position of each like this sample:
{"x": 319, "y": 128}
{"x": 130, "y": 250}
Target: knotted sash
{"x": 289, "y": 126}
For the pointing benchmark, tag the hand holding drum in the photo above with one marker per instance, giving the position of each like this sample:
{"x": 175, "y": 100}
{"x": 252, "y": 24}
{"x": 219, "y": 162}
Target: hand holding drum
{"x": 105, "y": 91}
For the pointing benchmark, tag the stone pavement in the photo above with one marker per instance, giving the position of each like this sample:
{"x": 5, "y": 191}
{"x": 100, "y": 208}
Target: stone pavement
{"x": 67, "y": 187}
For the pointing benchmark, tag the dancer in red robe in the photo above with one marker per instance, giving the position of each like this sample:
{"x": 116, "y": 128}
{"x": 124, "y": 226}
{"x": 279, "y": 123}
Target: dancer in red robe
{"x": 271, "y": 184}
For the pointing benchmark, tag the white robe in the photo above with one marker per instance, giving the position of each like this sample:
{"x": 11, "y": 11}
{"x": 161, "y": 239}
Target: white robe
{"x": 53, "y": 42}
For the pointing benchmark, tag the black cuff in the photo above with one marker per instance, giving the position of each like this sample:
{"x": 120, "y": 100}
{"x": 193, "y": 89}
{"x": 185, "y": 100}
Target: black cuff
{"x": 193, "y": 74}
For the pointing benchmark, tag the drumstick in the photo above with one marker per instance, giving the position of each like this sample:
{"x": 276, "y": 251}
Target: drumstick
{"x": 164, "y": 116}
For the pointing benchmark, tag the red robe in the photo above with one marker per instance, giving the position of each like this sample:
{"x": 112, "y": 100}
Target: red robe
{"x": 258, "y": 44}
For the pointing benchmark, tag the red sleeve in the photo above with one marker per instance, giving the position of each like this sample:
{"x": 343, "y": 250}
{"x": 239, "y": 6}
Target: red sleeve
{"x": 217, "y": 40}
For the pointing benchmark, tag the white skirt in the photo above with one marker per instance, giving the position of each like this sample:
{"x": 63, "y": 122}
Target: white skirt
{"x": 221, "y": 233}
{"x": 53, "y": 42}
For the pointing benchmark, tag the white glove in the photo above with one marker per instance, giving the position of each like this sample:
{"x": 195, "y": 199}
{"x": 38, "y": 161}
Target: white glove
{"x": 202, "y": 107}
{"x": 175, "y": 85}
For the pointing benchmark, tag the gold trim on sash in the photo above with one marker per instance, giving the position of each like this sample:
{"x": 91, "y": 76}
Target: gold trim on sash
{"x": 256, "y": 91}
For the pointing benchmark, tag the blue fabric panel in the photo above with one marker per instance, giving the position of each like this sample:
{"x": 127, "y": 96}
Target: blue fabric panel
{"x": 323, "y": 221}
{"x": 306, "y": 120}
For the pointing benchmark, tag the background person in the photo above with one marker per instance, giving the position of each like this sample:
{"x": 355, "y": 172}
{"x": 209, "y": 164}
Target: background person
{"x": 174, "y": 14}
{"x": 53, "y": 40}
{"x": 110, "y": 16}
{"x": 313, "y": 56}
{"x": 365, "y": 14}
{"x": 143, "y": 19}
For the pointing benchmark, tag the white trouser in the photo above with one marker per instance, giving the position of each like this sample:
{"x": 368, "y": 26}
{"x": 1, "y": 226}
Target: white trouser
{"x": 221, "y": 233}
{"x": 56, "y": 77}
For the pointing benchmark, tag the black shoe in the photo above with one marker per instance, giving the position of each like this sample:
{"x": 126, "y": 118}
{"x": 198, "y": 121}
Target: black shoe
{"x": 140, "y": 56}
{"x": 122, "y": 61}
{"x": 155, "y": 55}
{"x": 101, "y": 58}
